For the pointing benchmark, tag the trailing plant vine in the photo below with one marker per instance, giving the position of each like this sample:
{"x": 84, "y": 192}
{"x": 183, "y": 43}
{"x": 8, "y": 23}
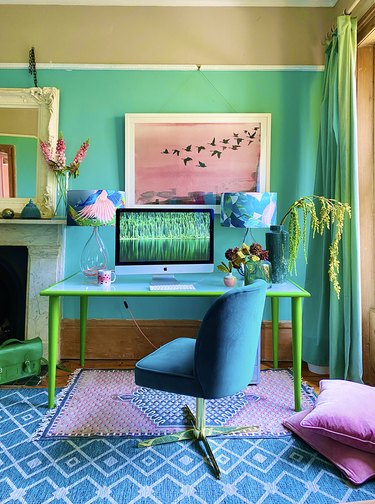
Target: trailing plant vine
{"x": 332, "y": 212}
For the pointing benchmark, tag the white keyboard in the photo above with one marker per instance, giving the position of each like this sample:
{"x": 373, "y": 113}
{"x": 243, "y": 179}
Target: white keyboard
{"x": 172, "y": 287}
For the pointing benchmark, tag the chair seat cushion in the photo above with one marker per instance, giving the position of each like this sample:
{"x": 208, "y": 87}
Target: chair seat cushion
{"x": 170, "y": 368}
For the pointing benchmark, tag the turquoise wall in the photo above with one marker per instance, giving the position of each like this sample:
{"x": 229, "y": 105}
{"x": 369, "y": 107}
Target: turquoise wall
{"x": 93, "y": 104}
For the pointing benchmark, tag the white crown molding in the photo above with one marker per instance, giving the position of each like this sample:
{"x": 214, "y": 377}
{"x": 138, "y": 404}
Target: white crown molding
{"x": 262, "y": 68}
{"x": 179, "y": 3}
{"x": 205, "y": 68}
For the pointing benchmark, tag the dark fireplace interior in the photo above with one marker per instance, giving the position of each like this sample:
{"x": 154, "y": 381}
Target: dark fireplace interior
{"x": 13, "y": 282}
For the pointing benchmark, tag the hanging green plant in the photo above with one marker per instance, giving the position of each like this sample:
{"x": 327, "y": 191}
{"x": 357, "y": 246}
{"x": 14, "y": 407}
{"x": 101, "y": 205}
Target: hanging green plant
{"x": 331, "y": 212}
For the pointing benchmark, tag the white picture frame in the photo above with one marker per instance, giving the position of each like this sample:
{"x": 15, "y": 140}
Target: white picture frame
{"x": 188, "y": 160}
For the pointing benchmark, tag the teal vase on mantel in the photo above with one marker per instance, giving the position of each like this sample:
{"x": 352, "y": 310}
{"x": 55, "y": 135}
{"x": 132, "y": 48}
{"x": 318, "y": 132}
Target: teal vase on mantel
{"x": 277, "y": 244}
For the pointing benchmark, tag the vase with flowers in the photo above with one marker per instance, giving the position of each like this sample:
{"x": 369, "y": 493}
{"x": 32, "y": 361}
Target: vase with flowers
{"x": 56, "y": 162}
{"x": 251, "y": 261}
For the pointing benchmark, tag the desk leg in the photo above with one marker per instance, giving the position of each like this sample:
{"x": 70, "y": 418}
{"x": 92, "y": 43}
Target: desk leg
{"x": 275, "y": 331}
{"x": 83, "y": 304}
{"x": 53, "y": 339}
{"x": 297, "y": 349}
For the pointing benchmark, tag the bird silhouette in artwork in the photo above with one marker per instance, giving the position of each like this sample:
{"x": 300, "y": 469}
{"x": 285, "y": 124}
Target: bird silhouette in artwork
{"x": 176, "y": 151}
{"x": 225, "y": 141}
{"x": 186, "y": 160}
{"x": 165, "y": 151}
{"x": 200, "y": 148}
{"x": 101, "y": 206}
{"x": 188, "y": 148}
{"x": 213, "y": 142}
{"x": 235, "y": 147}
{"x": 216, "y": 153}
{"x": 201, "y": 164}
{"x": 239, "y": 140}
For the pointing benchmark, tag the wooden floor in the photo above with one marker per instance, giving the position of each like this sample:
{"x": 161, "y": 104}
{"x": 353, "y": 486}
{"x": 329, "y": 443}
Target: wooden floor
{"x": 62, "y": 376}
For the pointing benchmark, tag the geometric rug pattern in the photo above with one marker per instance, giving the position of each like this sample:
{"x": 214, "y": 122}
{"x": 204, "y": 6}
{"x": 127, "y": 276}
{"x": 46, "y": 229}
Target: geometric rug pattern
{"x": 99, "y": 403}
{"x": 113, "y": 470}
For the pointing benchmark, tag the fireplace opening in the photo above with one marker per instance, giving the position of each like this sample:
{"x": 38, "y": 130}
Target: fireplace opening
{"x": 13, "y": 275}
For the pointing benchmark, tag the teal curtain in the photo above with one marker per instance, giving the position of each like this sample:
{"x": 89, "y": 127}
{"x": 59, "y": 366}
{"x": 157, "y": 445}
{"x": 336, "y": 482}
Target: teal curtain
{"x": 332, "y": 333}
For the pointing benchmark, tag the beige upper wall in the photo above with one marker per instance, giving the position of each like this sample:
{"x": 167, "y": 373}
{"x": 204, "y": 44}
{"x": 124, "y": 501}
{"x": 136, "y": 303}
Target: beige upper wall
{"x": 162, "y": 35}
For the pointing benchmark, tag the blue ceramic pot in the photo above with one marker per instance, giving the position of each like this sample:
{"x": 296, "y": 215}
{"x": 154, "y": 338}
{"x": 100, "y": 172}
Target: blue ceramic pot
{"x": 30, "y": 211}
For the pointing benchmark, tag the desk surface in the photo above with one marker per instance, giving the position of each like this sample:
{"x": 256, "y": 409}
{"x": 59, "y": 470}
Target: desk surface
{"x": 206, "y": 284}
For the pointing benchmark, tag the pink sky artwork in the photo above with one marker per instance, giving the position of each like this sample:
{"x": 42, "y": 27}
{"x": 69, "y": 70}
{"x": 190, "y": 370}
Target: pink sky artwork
{"x": 179, "y": 162}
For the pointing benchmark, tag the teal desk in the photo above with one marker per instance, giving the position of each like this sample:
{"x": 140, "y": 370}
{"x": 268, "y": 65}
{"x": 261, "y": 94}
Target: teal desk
{"x": 206, "y": 285}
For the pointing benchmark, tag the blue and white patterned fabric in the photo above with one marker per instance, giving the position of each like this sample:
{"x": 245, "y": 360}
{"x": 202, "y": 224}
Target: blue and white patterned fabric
{"x": 112, "y": 470}
{"x": 248, "y": 210}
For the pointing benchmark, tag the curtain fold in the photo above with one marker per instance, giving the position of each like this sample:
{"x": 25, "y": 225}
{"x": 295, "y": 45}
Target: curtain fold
{"x": 332, "y": 332}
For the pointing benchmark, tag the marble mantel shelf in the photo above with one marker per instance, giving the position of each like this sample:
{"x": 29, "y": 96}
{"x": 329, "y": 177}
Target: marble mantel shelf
{"x": 59, "y": 222}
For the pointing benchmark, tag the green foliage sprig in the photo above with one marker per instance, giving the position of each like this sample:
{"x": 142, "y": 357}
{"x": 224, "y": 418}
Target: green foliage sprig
{"x": 331, "y": 212}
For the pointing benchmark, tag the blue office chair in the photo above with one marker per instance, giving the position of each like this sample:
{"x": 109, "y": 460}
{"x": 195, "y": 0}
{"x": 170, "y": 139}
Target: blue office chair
{"x": 217, "y": 364}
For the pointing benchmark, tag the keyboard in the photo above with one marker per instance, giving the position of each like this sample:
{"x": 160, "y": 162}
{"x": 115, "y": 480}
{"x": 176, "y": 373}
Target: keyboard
{"x": 172, "y": 287}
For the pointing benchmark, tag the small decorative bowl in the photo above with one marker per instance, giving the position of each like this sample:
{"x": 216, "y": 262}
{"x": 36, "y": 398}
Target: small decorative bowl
{"x": 7, "y": 213}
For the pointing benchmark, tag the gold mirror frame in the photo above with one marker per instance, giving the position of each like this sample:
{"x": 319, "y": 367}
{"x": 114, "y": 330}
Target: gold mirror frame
{"x": 46, "y": 100}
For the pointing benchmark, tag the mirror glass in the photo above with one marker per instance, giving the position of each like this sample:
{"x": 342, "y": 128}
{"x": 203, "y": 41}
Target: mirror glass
{"x": 27, "y": 116}
{"x": 7, "y": 171}
{"x": 18, "y": 131}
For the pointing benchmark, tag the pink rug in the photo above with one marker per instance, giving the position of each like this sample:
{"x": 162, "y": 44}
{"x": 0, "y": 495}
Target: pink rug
{"x": 100, "y": 403}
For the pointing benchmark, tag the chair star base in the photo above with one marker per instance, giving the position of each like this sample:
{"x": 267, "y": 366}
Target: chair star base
{"x": 199, "y": 432}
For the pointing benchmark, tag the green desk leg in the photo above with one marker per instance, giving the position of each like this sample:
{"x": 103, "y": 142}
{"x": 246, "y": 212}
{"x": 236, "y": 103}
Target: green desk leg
{"x": 53, "y": 340}
{"x": 275, "y": 331}
{"x": 83, "y": 304}
{"x": 297, "y": 350}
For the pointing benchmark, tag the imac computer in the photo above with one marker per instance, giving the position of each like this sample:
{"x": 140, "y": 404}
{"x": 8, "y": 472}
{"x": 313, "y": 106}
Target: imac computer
{"x": 162, "y": 242}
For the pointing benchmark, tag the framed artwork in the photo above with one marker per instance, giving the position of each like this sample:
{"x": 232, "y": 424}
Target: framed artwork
{"x": 191, "y": 159}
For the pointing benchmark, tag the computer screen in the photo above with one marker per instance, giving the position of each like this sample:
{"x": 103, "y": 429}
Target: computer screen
{"x": 162, "y": 241}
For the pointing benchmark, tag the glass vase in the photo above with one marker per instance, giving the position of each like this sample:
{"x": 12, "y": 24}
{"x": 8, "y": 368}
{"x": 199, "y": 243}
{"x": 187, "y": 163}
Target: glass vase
{"x": 257, "y": 269}
{"x": 62, "y": 180}
{"x": 94, "y": 256}
{"x": 277, "y": 244}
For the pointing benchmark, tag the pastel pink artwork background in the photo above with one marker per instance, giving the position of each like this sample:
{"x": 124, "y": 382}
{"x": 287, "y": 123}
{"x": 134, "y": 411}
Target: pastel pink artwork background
{"x": 158, "y": 175}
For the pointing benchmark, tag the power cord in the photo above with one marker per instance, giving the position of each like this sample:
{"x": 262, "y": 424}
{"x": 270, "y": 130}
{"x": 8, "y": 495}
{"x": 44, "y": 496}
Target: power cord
{"x": 137, "y": 325}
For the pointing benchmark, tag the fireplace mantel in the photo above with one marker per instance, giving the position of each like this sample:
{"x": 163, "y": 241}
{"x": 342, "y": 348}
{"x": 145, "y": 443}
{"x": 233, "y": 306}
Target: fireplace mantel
{"x": 45, "y": 241}
{"x": 38, "y": 222}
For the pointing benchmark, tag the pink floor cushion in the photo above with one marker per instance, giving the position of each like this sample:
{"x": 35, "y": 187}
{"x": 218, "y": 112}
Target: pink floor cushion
{"x": 358, "y": 466}
{"x": 345, "y": 411}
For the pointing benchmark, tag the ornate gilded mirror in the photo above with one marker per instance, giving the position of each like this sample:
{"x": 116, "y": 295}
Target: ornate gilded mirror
{"x": 27, "y": 116}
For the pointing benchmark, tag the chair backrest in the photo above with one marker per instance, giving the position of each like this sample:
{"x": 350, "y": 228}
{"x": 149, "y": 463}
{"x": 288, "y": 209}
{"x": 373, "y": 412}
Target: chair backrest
{"x": 228, "y": 339}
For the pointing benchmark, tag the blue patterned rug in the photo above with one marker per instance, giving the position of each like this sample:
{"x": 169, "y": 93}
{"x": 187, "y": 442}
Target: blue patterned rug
{"x": 114, "y": 470}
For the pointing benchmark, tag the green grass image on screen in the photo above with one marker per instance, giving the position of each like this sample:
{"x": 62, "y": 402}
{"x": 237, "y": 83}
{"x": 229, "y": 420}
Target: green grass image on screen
{"x": 165, "y": 236}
